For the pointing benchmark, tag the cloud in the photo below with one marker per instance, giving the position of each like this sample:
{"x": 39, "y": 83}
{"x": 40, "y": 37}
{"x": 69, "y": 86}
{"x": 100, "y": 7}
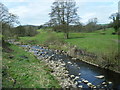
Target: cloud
{"x": 100, "y": 10}
{"x": 36, "y": 11}
{"x": 32, "y": 12}
{"x": 96, "y": 0}
{"x": 15, "y": 0}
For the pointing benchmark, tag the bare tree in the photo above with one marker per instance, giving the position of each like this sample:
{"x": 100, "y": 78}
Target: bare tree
{"x": 63, "y": 14}
{"x": 6, "y": 20}
{"x": 92, "y": 25}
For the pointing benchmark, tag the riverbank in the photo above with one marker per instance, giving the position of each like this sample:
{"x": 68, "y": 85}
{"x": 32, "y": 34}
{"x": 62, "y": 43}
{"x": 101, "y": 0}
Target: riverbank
{"x": 20, "y": 69}
{"x": 60, "y": 72}
{"x": 94, "y": 48}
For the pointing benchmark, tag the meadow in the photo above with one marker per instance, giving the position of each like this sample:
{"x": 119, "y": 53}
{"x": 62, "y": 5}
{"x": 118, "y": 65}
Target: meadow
{"x": 102, "y": 43}
{"x": 97, "y": 42}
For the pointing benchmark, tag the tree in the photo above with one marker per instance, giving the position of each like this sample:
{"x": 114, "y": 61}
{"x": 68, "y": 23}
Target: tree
{"x": 116, "y": 21}
{"x": 63, "y": 14}
{"x": 7, "y": 20}
{"x": 92, "y": 25}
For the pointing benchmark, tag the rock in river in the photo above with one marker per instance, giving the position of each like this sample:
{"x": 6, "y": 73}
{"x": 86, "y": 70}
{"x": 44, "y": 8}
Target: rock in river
{"x": 100, "y": 77}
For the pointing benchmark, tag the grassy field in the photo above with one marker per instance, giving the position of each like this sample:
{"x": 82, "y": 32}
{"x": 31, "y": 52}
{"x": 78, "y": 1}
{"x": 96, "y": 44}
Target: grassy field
{"x": 22, "y": 70}
{"x": 97, "y": 42}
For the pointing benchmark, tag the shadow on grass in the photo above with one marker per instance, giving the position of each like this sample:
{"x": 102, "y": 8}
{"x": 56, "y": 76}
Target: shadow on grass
{"x": 75, "y": 37}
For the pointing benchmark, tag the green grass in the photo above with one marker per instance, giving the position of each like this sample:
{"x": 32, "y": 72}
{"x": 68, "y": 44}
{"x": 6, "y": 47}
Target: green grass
{"x": 92, "y": 42}
{"x": 20, "y": 72}
{"x": 95, "y": 42}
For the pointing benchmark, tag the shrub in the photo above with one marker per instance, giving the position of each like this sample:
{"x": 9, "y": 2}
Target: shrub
{"x": 103, "y": 33}
{"x": 54, "y": 40}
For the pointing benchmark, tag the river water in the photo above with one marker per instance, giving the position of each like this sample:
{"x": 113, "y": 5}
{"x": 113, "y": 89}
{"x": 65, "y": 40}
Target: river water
{"x": 82, "y": 70}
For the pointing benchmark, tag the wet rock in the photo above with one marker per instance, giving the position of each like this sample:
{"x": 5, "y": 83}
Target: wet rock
{"x": 80, "y": 86}
{"x": 77, "y": 77}
{"x": 72, "y": 76}
{"x": 94, "y": 87}
{"x": 74, "y": 58}
{"x": 69, "y": 63}
{"x": 109, "y": 82}
{"x": 76, "y": 83}
{"x": 85, "y": 81}
{"x": 103, "y": 83}
{"x": 89, "y": 84}
{"x": 100, "y": 77}
{"x": 79, "y": 74}
{"x": 79, "y": 81}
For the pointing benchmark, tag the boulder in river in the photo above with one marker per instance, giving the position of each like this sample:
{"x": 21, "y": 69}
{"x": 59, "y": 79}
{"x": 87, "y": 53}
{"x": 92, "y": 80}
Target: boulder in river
{"x": 100, "y": 77}
{"x": 72, "y": 76}
{"x": 69, "y": 63}
{"x": 103, "y": 83}
{"x": 80, "y": 86}
{"x": 79, "y": 74}
{"x": 89, "y": 84}
{"x": 109, "y": 82}
{"x": 77, "y": 77}
{"x": 85, "y": 81}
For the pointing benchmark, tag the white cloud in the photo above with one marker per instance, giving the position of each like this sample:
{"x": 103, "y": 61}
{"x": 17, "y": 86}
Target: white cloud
{"x": 87, "y": 16}
{"x": 36, "y": 11}
{"x": 61, "y": 0}
{"x": 33, "y": 12}
{"x": 101, "y": 10}
{"x": 15, "y": 0}
{"x": 96, "y": 0}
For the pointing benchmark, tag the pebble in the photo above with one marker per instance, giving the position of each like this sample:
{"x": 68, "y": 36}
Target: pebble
{"x": 79, "y": 74}
{"x": 109, "y": 82}
{"x": 69, "y": 63}
{"x": 79, "y": 81}
{"x": 103, "y": 83}
{"x": 80, "y": 86}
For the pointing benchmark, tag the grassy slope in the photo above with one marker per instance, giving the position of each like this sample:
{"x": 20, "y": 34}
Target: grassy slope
{"x": 25, "y": 73}
{"x": 96, "y": 42}
{"x": 92, "y": 42}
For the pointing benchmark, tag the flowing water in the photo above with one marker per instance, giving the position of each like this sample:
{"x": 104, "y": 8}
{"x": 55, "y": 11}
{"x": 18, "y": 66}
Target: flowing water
{"x": 82, "y": 70}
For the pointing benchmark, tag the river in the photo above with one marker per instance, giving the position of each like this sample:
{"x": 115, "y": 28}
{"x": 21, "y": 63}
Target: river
{"x": 81, "y": 69}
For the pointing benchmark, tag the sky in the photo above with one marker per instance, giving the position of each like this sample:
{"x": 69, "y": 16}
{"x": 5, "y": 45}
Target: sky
{"x": 36, "y": 12}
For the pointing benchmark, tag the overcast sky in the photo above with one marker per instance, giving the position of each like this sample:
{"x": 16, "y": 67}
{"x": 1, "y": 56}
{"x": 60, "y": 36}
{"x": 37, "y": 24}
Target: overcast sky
{"x": 35, "y": 12}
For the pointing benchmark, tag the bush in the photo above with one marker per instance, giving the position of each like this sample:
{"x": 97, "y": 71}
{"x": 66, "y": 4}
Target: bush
{"x": 113, "y": 33}
{"x": 103, "y": 33}
{"x": 53, "y": 39}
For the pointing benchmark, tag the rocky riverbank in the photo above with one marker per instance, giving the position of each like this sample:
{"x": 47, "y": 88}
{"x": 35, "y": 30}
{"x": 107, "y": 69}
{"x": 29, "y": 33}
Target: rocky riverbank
{"x": 58, "y": 70}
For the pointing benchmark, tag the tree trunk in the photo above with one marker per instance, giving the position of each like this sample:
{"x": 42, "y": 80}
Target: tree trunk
{"x": 66, "y": 35}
